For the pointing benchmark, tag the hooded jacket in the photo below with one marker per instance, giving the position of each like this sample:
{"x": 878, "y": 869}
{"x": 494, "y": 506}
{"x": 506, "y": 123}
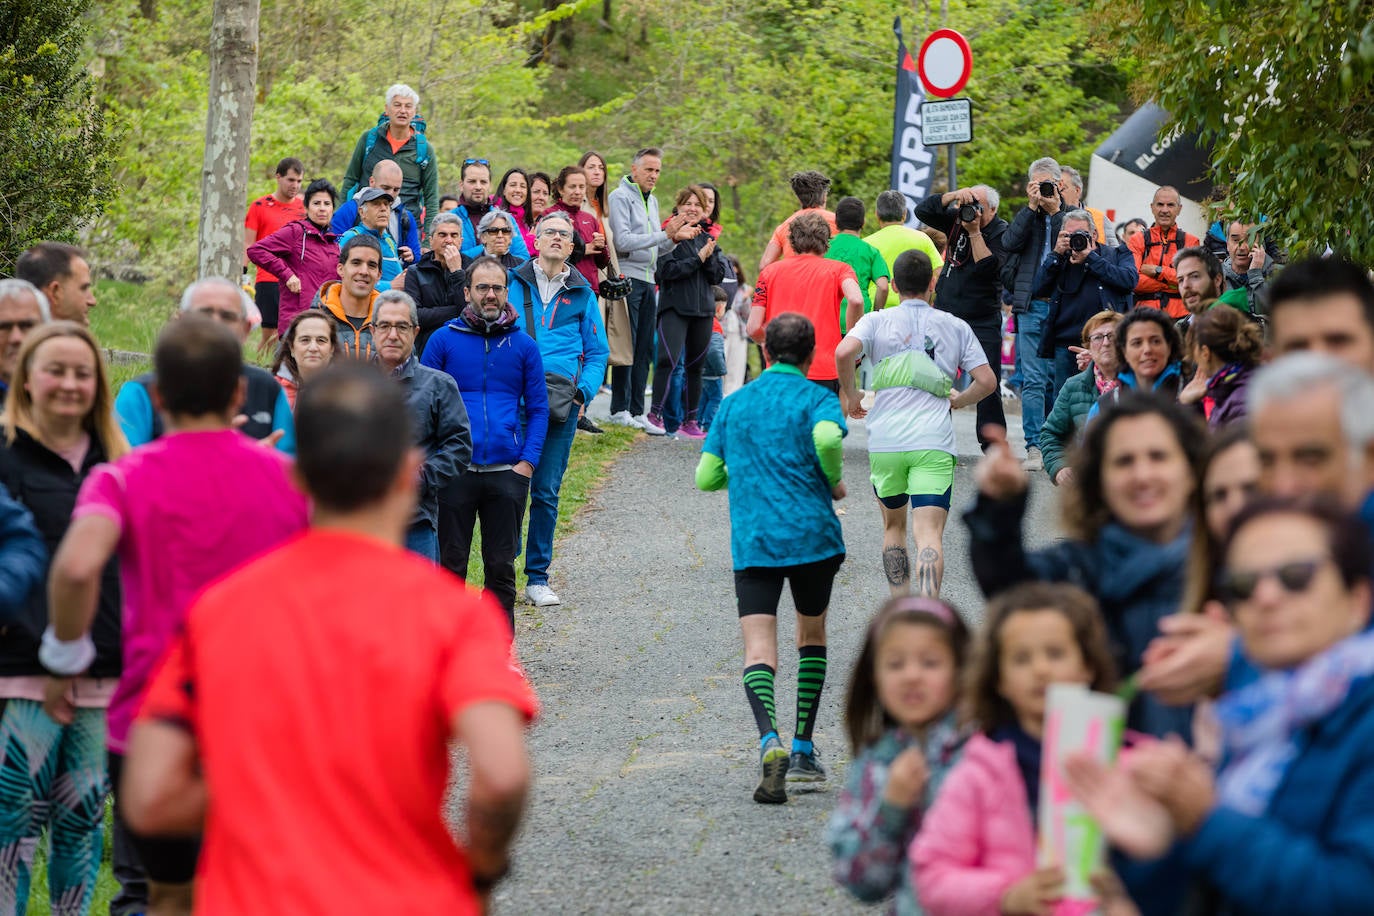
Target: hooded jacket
{"x": 968, "y": 289}
{"x": 497, "y": 369}
{"x": 402, "y": 225}
{"x": 441, "y": 429}
{"x": 45, "y": 484}
{"x": 1228, "y": 393}
{"x": 438, "y": 294}
{"x": 302, "y": 250}
{"x": 639, "y": 239}
{"x": 568, "y": 328}
{"x": 356, "y": 343}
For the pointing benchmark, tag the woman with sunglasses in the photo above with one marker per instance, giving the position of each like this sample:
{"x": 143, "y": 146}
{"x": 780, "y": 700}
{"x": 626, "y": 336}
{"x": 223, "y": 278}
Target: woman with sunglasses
{"x": 1285, "y": 825}
{"x": 59, "y": 425}
{"x": 495, "y": 231}
{"x": 1129, "y": 511}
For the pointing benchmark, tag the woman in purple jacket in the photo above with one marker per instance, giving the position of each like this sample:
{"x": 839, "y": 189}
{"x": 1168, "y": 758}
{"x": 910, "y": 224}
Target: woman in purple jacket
{"x": 303, "y": 254}
{"x": 1226, "y": 346}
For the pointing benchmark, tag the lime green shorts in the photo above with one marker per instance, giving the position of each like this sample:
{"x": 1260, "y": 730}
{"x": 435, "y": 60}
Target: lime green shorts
{"x": 924, "y": 475}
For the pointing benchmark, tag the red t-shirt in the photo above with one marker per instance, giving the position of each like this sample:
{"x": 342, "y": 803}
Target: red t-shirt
{"x": 321, "y": 682}
{"x": 265, "y": 216}
{"x": 809, "y": 285}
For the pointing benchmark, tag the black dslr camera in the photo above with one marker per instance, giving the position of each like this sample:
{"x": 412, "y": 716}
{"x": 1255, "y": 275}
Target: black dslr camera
{"x": 615, "y": 288}
{"x": 1048, "y": 189}
{"x": 969, "y": 212}
{"x": 1079, "y": 240}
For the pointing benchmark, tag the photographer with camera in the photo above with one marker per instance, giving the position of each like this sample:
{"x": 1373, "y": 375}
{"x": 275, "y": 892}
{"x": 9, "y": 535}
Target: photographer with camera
{"x": 1028, "y": 241}
{"x": 1079, "y": 279}
{"x": 968, "y": 286}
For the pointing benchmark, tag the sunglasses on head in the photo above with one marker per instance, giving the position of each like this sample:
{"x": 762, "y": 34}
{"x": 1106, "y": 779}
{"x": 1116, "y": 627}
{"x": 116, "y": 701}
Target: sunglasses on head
{"x": 1294, "y": 578}
{"x": 477, "y": 162}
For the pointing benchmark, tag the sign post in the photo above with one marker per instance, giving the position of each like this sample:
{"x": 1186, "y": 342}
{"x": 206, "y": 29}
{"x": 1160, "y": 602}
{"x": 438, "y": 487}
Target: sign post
{"x": 945, "y": 65}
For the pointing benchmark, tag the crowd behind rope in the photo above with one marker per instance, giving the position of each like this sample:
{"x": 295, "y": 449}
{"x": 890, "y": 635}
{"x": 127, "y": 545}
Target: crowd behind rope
{"x": 1199, "y": 404}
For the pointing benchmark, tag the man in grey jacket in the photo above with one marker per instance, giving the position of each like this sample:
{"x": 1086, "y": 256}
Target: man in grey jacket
{"x": 639, "y": 240}
{"x": 441, "y": 420}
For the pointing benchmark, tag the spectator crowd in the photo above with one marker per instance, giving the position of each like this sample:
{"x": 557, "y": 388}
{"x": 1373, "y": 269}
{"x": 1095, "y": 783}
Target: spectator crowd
{"x": 1200, "y": 408}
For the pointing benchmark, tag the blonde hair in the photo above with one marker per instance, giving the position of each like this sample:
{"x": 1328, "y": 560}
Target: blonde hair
{"x": 100, "y": 422}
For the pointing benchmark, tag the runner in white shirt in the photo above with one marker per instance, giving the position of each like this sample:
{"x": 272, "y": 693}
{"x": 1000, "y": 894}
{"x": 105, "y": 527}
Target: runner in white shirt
{"x": 916, "y": 351}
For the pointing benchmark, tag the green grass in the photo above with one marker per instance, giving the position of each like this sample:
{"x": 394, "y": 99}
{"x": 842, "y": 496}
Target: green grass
{"x": 127, "y": 316}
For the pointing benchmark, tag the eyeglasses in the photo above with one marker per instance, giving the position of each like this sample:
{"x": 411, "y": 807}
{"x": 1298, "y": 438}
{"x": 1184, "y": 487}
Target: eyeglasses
{"x": 557, "y": 233}
{"x": 1295, "y": 578}
{"x": 489, "y": 287}
{"x": 386, "y": 327}
{"x": 1101, "y": 338}
{"x": 496, "y": 230}
{"x": 477, "y": 162}
{"x": 24, "y": 326}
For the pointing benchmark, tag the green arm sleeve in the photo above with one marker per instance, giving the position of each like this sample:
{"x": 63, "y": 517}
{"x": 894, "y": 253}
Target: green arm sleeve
{"x": 829, "y": 443}
{"x": 711, "y": 472}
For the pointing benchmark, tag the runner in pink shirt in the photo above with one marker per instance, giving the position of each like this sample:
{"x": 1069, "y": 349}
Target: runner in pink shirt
{"x": 180, "y": 513}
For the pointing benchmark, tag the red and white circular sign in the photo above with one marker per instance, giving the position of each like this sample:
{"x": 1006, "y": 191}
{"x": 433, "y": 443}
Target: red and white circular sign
{"x": 945, "y": 63}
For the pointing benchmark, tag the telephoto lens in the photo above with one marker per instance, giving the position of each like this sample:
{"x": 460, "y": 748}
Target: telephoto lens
{"x": 1078, "y": 241}
{"x": 1047, "y": 189}
{"x": 969, "y": 212}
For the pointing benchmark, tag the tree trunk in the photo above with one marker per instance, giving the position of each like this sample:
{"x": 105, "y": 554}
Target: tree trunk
{"x": 228, "y": 129}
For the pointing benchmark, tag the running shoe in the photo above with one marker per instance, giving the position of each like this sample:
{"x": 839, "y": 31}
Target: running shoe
{"x": 804, "y": 767}
{"x": 623, "y": 418}
{"x": 653, "y": 424}
{"x": 772, "y": 788}
{"x": 690, "y": 430}
{"x": 542, "y": 596}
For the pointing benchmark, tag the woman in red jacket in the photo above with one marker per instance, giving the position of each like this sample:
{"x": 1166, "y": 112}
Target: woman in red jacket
{"x": 570, "y": 187}
{"x": 303, "y": 254}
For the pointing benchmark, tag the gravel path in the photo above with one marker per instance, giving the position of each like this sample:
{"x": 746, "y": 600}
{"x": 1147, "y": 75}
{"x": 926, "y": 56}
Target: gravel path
{"x": 646, "y": 754}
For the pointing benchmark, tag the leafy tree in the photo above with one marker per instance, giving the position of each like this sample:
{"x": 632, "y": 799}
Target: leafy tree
{"x": 1284, "y": 91}
{"x": 56, "y": 148}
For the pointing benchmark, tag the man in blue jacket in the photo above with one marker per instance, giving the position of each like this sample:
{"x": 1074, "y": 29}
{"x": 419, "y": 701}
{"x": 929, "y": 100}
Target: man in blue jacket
{"x": 386, "y": 175}
{"x": 558, "y": 309}
{"x": 1078, "y": 279}
{"x": 496, "y": 368}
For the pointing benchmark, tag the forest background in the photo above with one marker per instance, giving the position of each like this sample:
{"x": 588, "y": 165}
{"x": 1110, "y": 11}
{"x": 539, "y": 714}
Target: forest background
{"x": 737, "y": 92}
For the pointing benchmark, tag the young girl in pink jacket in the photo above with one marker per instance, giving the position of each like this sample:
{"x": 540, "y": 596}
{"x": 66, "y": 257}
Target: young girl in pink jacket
{"x": 976, "y": 852}
{"x": 903, "y": 729}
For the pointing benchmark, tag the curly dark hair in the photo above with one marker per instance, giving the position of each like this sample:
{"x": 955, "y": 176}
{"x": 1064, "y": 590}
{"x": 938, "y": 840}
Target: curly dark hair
{"x": 810, "y": 187}
{"x": 984, "y": 704}
{"x": 809, "y": 233}
{"x": 865, "y": 720}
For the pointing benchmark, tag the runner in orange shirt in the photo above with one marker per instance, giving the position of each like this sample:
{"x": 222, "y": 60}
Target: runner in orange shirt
{"x": 265, "y": 216}
{"x": 309, "y": 728}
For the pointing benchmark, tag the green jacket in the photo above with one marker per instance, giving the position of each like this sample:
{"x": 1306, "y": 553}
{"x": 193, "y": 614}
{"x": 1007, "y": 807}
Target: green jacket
{"x": 419, "y": 170}
{"x": 1070, "y": 414}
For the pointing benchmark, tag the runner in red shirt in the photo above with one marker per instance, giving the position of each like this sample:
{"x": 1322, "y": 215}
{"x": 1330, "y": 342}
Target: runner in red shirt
{"x": 308, "y": 723}
{"x": 811, "y": 285}
{"x": 265, "y": 216}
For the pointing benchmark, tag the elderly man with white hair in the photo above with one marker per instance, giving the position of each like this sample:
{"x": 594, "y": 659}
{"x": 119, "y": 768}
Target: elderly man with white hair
{"x": 265, "y": 413}
{"x": 22, "y": 308}
{"x": 400, "y": 136}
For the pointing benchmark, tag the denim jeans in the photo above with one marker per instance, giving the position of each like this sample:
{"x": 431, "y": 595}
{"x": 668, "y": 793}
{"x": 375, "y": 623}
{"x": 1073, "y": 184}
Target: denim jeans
{"x": 544, "y": 487}
{"x": 675, "y": 404}
{"x": 1065, "y": 368}
{"x": 1036, "y": 372}
{"x": 423, "y": 539}
{"x": 712, "y": 390}
{"x": 627, "y": 382}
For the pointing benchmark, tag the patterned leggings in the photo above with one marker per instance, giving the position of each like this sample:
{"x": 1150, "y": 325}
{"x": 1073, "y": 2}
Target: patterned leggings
{"x": 51, "y": 776}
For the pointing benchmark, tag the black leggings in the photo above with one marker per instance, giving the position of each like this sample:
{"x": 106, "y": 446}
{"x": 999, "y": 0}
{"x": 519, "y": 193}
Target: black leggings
{"x": 675, "y": 332}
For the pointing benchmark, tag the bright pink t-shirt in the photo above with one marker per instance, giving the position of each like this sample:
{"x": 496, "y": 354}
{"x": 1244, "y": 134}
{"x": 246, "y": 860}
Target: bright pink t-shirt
{"x": 190, "y": 507}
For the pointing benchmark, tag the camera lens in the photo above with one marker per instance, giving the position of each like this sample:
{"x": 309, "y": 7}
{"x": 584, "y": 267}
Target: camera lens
{"x": 1078, "y": 241}
{"x": 968, "y": 213}
{"x": 1047, "y": 189}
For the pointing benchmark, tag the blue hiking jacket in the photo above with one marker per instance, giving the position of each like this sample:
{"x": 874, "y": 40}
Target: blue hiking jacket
{"x": 495, "y": 373}
{"x": 23, "y": 557}
{"x": 571, "y": 338}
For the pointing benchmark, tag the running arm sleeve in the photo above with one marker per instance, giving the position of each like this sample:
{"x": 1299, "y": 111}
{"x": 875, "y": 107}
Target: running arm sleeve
{"x": 829, "y": 442}
{"x": 711, "y": 472}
